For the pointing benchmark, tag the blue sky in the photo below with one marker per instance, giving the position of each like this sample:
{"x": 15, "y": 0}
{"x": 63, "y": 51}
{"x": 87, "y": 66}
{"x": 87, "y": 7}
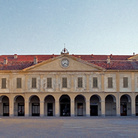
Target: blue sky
{"x": 85, "y": 26}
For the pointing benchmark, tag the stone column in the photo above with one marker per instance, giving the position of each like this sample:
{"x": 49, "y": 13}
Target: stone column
{"x": 133, "y": 105}
{"x": 118, "y": 105}
{"x": 41, "y": 108}
{"x": 57, "y": 108}
{"x": 57, "y": 83}
{"x": 72, "y": 83}
{"x": 87, "y": 82}
{"x": 87, "y": 107}
{"x": 72, "y": 108}
{"x": 117, "y": 82}
{"x": 102, "y": 82}
{"x": 11, "y": 107}
{"x": 103, "y": 107}
{"x": 26, "y": 107}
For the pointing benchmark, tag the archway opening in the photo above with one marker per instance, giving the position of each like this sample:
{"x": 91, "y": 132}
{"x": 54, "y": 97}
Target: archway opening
{"x": 5, "y": 106}
{"x": 19, "y": 106}
{"x": 110, "y": 105}
{"x": 80, "y": 105}
{"x": 95, "y": 105}
{"x": 64, "y": 105}
{"x": 125, "y": 105}
{"x": 34, "y": 106}
{"x": 49, "y": 106}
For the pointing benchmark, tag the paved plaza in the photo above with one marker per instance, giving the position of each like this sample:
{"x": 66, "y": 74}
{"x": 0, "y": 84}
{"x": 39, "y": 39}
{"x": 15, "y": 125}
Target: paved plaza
{"x": 69, "y": 127}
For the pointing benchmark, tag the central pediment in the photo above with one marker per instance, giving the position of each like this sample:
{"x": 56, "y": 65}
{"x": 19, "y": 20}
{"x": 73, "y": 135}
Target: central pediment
{"x": 64, "y": 63}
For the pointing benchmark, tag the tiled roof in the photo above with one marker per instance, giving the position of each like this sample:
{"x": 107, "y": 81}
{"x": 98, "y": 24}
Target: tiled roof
{"x": 117, "y": 62}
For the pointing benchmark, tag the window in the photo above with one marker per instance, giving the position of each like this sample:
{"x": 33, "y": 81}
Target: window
{"x": 79, "y": 82}
{"x": 64, "y": 82}
{"x": 110, "y": 82}
{"x": 3, "y": 86}
{"x": 49, "y": 82}
{"x": 125, "y": 82}
{"x": 19, "y": 83}
{"x": 33, "y": 82}
{"x": 95, "y": 82}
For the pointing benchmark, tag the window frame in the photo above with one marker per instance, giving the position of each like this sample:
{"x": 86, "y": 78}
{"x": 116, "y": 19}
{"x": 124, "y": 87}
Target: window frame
{"x": 110, "y": 82}
{"x": 64, "y": 82}
{"x": 34, "y": 83}
{"x": 49, "y": 83}
{"x": 18, "y": 83}
{"x": 125, "y": 82}
{"x": 80, "y": 82}
{"x": 3, "y": 83}
{"x": 95, "y": 82}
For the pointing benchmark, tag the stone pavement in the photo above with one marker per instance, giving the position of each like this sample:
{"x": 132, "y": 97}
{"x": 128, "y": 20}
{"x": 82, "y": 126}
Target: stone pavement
{"x": 69, "y": 127}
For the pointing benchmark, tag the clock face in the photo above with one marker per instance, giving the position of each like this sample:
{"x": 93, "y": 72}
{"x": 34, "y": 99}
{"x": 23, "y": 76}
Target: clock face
{"x": 65, "y": 62}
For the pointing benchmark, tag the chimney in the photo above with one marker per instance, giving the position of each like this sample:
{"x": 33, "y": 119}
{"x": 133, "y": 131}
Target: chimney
{"x": 5, "y": 61}
{"x": 15, "y": 56}
{"x": 108, "y": 60}
{"x": 35, "y": 60}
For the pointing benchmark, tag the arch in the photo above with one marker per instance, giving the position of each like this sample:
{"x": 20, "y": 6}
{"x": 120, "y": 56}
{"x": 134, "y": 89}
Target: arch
{"x": 34, "y": 105}
{"x": 109, "y": 96}
{"x": 49, "y": 105}
{"x": 4, "y": 105}
{"x": 19, "y": 105}
{"x": 125, "y": 105}
{"x": 80, "y": 105}
{"x": 95, "y": 105}
{"x": 110, "y": 105}
{"x": 32, "y": 96}
{"x": 64, "y": 101}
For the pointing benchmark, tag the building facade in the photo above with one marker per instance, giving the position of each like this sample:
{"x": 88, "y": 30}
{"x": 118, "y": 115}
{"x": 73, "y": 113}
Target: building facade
{"x": 68, "y": 85}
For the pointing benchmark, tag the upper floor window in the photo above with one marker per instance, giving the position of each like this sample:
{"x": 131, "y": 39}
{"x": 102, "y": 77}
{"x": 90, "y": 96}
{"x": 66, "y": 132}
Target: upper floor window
{"x": 33, "y": 82}
{"x": 125, "y": 82}
{"x": 110, "y": 82}
{"x": 3, "y": 85}
{"x": 64, "y": 82}
{"x": 49, "y": 82}
{"x": 95, "y": 82}
{"x": 19, "y": 83}
{"x": 80, "y": 83}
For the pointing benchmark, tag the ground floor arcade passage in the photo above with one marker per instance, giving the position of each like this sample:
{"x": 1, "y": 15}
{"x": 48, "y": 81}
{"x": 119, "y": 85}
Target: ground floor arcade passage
{"x": 95, "y": 106}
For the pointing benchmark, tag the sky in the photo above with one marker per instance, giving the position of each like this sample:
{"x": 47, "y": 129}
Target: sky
{"x": 82, "y": 26}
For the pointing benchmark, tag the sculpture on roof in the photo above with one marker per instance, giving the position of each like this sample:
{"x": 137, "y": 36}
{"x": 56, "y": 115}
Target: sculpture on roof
{"x": 64, "y": 51}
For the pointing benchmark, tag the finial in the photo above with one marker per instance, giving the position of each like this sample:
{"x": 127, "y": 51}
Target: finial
{"x": 64, "y": 51}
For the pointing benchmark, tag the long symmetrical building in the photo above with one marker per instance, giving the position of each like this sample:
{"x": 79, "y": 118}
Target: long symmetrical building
{"x": 68, "y": 85}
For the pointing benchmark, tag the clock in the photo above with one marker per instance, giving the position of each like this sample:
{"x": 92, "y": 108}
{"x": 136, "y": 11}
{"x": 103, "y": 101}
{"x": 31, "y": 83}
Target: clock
{"x": 65, "y": 62}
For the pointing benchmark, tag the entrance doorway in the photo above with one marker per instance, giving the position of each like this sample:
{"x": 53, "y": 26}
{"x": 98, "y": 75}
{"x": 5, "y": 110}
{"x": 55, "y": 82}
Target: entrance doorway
{"x": 80, "y": 105}
{"x": 49, "y": 109}
{"x": 20, "y": 109}
{"x": 80, "y": 109}
{"x": 35, "y": 109}
{"x": 49, "y": 105}
{"x": 123, "y": 109}
{"x": 5, "y": 106}
{"x": 64, "y": 105}
{"x": 95, "y": 105}
{"x": 125, "y": 105}
{"x": 34, "y": 106}
{"x": 5, "y": 109}
{"x": 110, "y": 105}
{"x": 19, "y": 106}
{"x": 93, "y": 110}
